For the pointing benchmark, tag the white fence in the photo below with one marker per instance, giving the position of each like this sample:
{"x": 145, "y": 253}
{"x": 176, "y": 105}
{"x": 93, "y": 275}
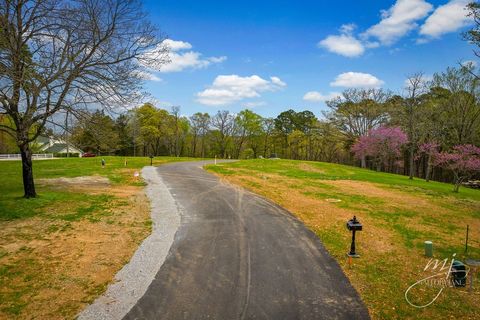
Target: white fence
{"x": 18, "y": 156}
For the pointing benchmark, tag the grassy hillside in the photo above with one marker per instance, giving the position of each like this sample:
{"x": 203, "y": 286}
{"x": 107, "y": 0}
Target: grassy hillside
{"x": 398, "y": 216}
{"x": 59, "y": 251}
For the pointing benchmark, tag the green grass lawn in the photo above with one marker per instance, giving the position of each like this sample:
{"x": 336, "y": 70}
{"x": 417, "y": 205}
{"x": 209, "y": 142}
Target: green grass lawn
{"x": 60, "y": 250}
{"x": 398, "y": 215}
{"x": 13, "y": 206}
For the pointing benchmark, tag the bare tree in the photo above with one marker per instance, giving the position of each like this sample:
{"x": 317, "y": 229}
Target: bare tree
{"x": 461, "y": 104}
{"x": 199, "y": 124}
{"x": 223, "y": 121}
{"x": 358, "y": 111}
{"x": 473, "y": 35}
{"x": 268, "y": 129}
{"x": 72, "y": 54}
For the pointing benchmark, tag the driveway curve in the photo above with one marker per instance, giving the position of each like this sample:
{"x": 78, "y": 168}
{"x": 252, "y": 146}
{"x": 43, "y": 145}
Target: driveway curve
{"x": 239, "y": 256}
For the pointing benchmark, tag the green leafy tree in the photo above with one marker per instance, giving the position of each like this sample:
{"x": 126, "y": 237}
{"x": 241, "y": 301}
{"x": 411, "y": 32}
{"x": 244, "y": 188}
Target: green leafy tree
{"x": 125, "y": 141}
{"x": 96, "y": 133}
{"x": 248, "y": 128}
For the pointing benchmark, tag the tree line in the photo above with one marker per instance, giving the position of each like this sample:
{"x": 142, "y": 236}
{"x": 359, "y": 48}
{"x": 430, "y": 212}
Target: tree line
{"x": 372, "y": 128}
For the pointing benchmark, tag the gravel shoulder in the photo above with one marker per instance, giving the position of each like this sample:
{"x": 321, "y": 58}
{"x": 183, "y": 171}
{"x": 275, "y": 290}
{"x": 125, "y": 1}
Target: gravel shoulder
{"x": 132, "y": 281}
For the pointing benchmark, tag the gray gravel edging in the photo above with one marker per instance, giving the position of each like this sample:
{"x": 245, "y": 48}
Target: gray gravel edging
{"x": 132, "y": 281}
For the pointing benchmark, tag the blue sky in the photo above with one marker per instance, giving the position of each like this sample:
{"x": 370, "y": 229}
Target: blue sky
{"x": 273, "y": 55}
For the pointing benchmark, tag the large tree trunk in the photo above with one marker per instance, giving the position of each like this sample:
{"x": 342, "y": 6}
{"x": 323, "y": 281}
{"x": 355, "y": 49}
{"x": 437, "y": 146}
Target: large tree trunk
{"x": 411, "y": 163}
{"x": 27, "y": 171}
{"x": 429, "y": 168}
{"x": 364, "y": 161}
{"x": 458, "y": 182}
{"x": 194, "y": 145}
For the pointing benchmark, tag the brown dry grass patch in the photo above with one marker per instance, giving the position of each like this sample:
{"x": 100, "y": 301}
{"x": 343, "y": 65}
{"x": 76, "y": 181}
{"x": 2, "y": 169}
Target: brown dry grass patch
{"x": 391, "y": 251}
{"x": 59, "y": 266}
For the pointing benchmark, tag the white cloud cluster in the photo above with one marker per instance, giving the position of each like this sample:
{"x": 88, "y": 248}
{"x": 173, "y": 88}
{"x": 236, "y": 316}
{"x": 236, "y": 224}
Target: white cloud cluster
{"x": 396, "y": 22}
{"x": 228, "y": 89}
{"x": 345, "y": 80}
{"x": 315, "y": 96}
{"x": 446, "y": 18}
{"x": 180, "y": 59}
{"x": 399, "y": 20}
{"x": 356, "y": 80}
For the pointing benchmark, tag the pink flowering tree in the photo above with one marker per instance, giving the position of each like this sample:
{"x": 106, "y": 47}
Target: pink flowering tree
{"x": 361, "y": 149}
{"x": 430, "y": 149}
{"x": 463, "y": 161}
{"x": 384, "y": 145}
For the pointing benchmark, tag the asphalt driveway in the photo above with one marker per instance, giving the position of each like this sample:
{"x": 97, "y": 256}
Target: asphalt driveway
{"x": 238, "y": 256}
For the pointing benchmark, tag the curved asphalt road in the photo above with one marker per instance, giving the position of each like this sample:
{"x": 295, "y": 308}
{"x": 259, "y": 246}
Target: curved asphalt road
{"x": 238, "y": 256}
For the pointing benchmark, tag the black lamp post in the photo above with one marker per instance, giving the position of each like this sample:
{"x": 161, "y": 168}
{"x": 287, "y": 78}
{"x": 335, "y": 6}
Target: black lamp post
{"x": 151, "y": 159}
{"x": 353, "y": 225}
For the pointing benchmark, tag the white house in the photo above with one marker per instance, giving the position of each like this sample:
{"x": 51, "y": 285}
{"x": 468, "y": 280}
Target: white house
{"x": 54, "y": 145}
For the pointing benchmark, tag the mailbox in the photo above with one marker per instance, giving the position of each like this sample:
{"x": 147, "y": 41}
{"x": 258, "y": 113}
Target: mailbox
{"x": 353, "y": 225}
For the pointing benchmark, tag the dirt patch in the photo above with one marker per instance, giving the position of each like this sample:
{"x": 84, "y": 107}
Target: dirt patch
{"x": 372, "y": 190}
{"x": 310, "y": 168}
{"x": 93, "y": 185}
{"x": 77, "y": 182}
{"x": 54, "y": 267}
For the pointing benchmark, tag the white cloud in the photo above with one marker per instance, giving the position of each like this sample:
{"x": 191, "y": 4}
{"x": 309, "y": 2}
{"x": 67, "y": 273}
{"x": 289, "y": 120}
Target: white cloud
{"x": 180, "y": 59}
{"x": 348, "y": 28}
{"x": 446, "y": 18}
{"x": 399, "y": 20}
{"x": 344, "y": 44}
{"x": 278, "y": 82}
{"x": 228, "y": 89}
{"x": 315, "y": 96}
{"x": 356, "y": 80}
{"x": 253, "y": 104}
{"x": 174, "y": 45}
{"x": 469, "y": 63}
{"x": 148, "y": 75}
{"x": 160, "y": 103}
